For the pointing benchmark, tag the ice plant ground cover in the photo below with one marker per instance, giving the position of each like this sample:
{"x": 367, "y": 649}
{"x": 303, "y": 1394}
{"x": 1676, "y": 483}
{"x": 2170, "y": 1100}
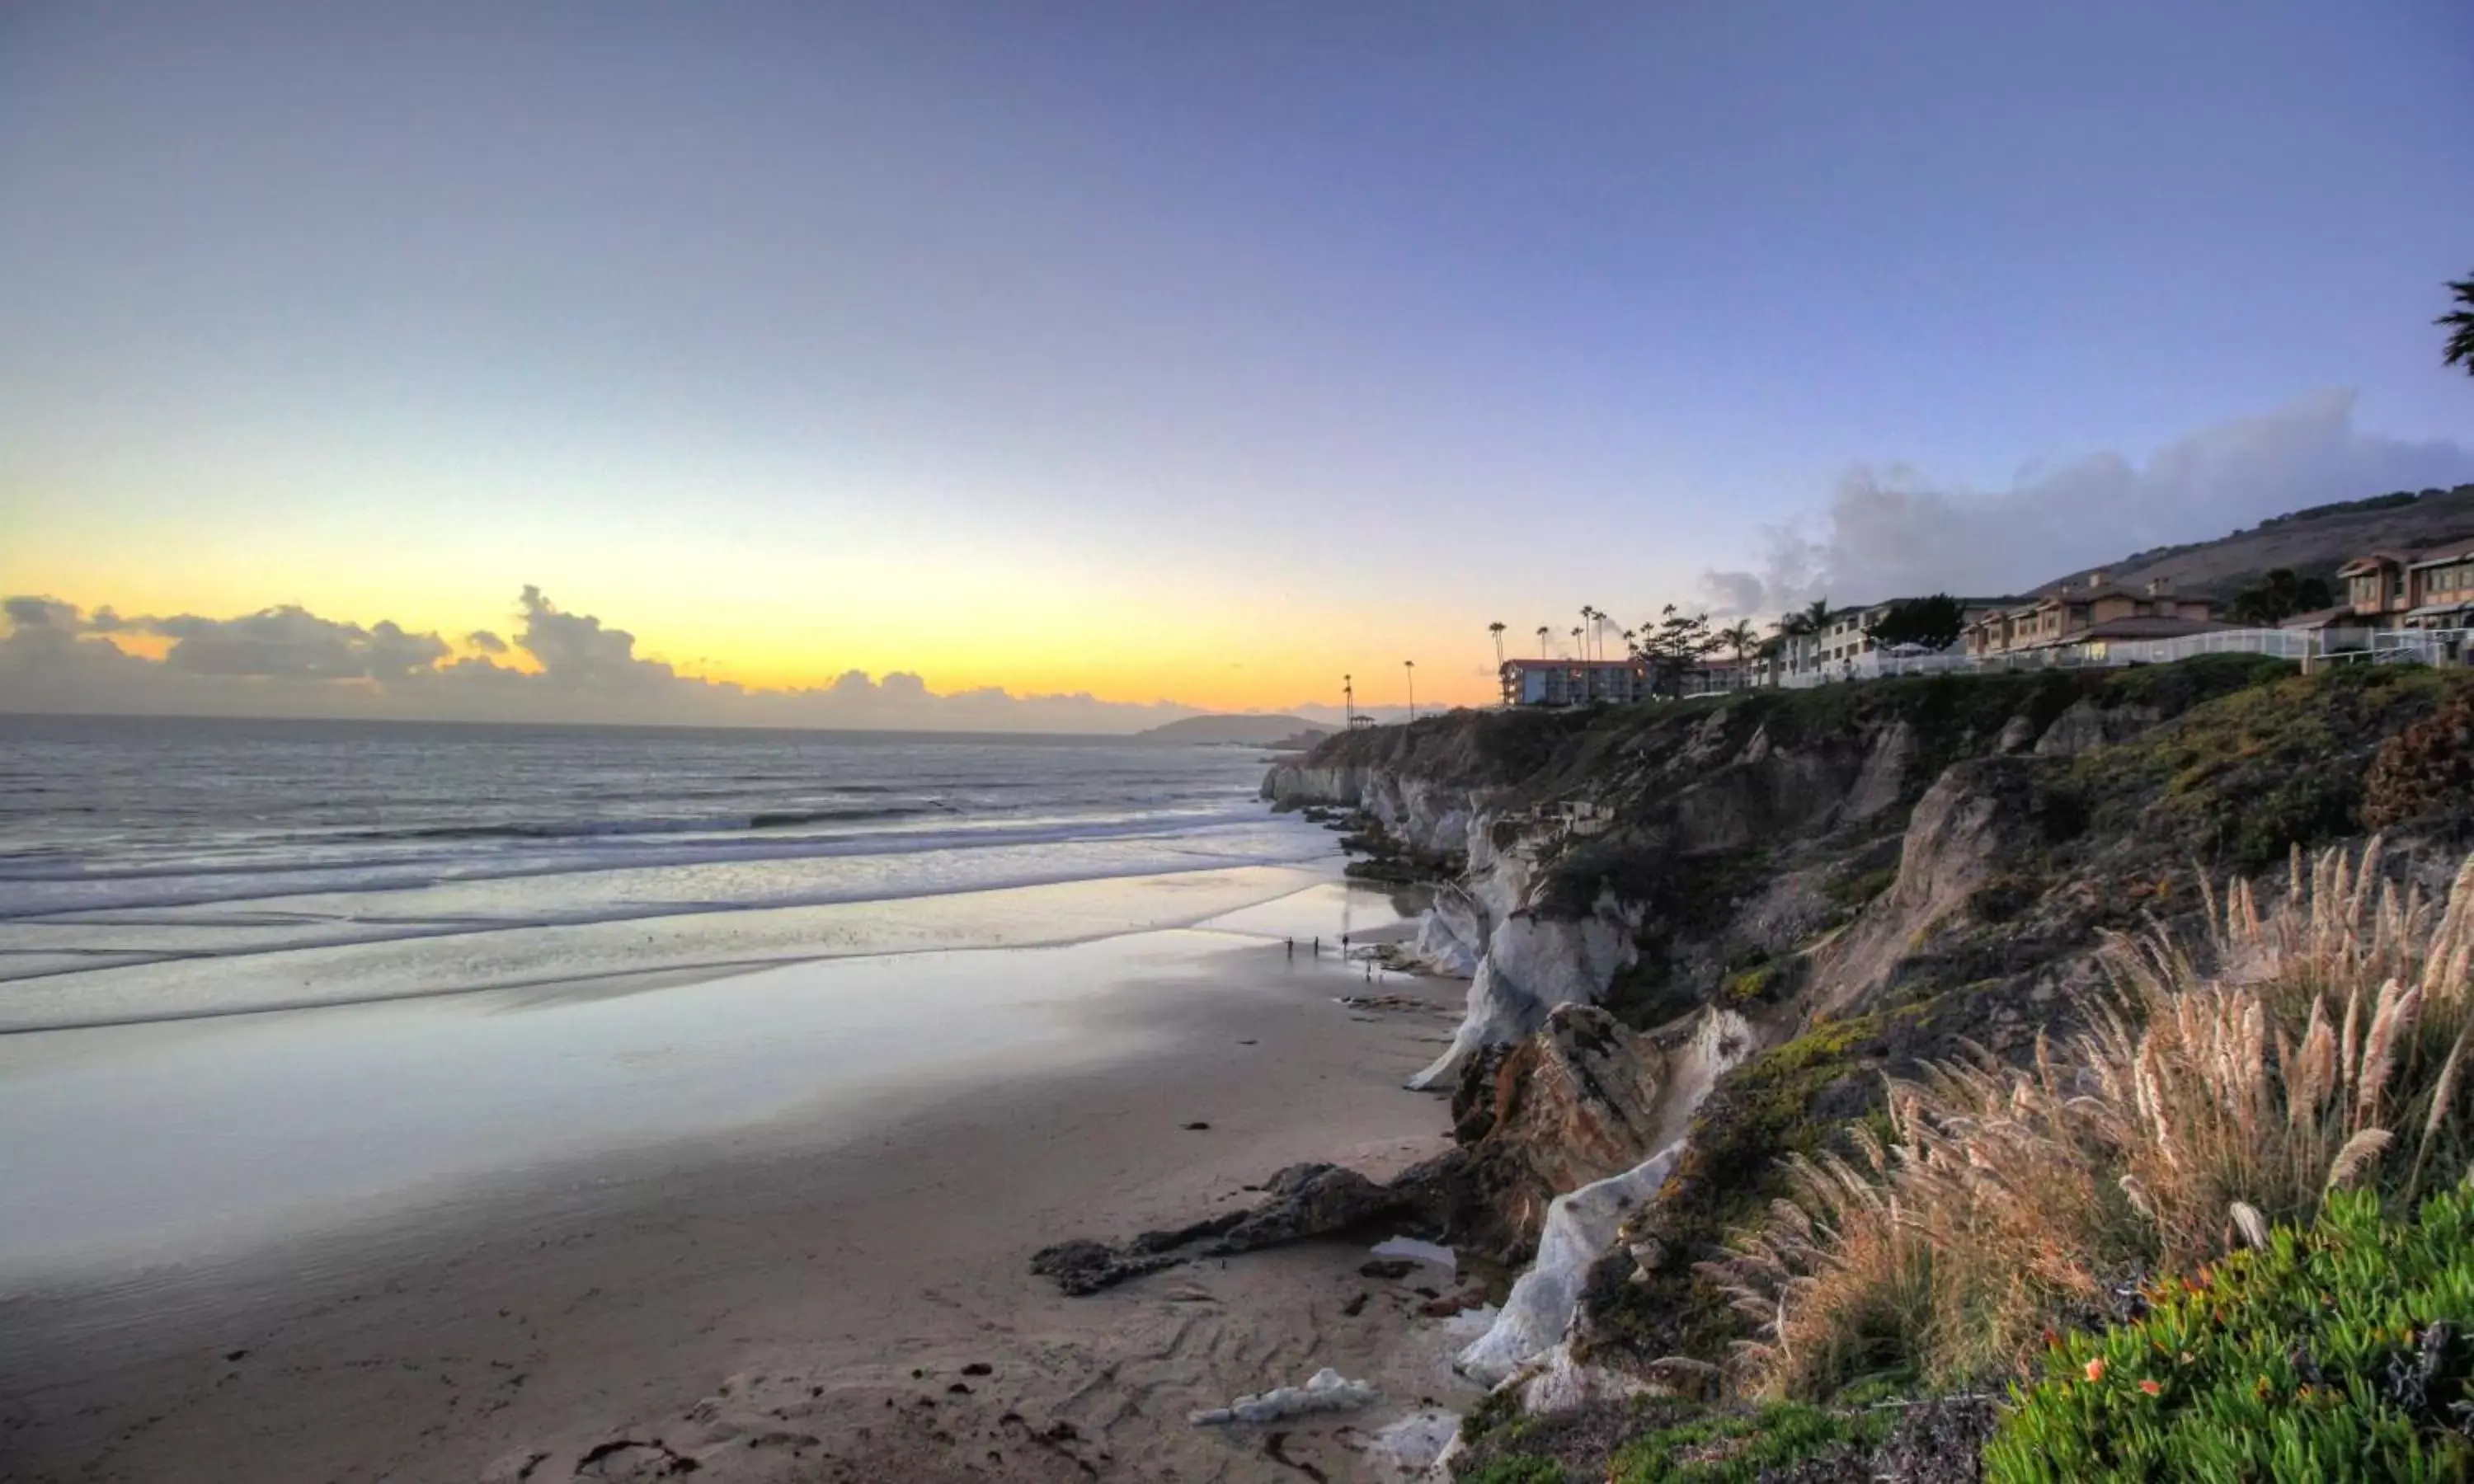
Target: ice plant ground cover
{"x": 2336, "y": 1352}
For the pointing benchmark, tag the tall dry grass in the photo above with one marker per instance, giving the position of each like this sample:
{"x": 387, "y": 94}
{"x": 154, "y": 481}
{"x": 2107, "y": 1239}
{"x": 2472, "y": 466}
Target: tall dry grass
{"x": 2222, "y": 1086}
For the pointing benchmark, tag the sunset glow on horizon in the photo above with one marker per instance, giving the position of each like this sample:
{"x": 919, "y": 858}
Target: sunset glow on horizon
{"x": 1198, "y": 355}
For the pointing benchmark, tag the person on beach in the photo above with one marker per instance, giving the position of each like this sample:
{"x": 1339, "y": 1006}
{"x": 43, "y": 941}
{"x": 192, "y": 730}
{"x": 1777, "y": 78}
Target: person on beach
{"x": 1293, "y": 947}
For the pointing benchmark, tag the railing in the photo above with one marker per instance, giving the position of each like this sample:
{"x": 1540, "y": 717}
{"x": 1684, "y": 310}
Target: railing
{"x": 2415, "y": 646}
{"x": 2378, "y": 646}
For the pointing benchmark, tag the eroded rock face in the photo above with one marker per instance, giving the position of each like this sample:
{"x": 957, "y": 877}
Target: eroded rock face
{"x": 1451, "y": 936}
{"x": 1579, "y": 1228}
{"x": 1582, "y": 1223}
{"x": 1532, "y": 965}
{"x": 2085, "y": 727}
{"x": 1962, "y": 828}
{"x": 1424, "y": 815}
{"x": 1574, "y": 1103}
{"x": 1883, "y": 783}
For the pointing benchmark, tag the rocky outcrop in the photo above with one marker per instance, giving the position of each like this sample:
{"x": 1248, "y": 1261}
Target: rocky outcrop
{"x": 1532, "y": 965}
{"x": 1575, "y": 1103}
{"x": 1701, "y": 937}
{"x": 1578, "y": 1229}
{"x": 1617, "y": 1116}
{"x": 1452, "y": 934}
{"x": 1974, "y": 814}
{"x": 1887, "y": 765}
{"x": 1421, "y": 814}
{"x": 2085, "y": 727}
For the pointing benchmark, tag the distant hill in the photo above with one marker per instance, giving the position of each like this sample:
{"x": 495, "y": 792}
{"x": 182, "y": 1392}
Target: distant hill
{"x": 1247, "y": 731}
{"x": 2314, "y": 542}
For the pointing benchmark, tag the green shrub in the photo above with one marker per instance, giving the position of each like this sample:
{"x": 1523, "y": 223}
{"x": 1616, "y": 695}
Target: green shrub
{"x": 1518, "y": 1471}
{"x": 2340, "y": 1352}
{"x": 1752, "y": 985}
{"x": 1853, "y": 891}
{"x": 1737, "y": 1449}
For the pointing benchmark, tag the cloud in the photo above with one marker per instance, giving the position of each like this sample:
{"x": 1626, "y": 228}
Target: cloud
{"x": 1891, "y": 533}
{"x": 576, "y": 653}
{"x": 287, "y": 662}
{"x": 290, "y": 642}
{"x": 32, "y": 613}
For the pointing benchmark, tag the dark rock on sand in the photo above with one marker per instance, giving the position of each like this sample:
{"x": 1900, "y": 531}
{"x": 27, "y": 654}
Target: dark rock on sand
{"x": 632, "y": 1460}
{"x": 1301, "y": 1201}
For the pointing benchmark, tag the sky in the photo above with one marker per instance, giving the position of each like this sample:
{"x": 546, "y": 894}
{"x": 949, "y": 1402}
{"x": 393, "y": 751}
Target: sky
{"x": 1080, "y": 366}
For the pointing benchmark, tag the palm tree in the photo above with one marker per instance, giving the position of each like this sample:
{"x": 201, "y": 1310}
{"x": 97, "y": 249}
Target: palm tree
{"x": 1497, "y": 629}
{"x": 2461, "y": 324}
{"x": 1816, "y": 615}
{"x": 1740, "y": 638}
{"x": 1588, "y": 616}
{"x": 1410, "y": 666}
{"x": 1542, "y": 633}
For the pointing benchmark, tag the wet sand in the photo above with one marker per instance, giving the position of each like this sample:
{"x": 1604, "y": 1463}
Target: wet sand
{"x": 814, "y": 1293}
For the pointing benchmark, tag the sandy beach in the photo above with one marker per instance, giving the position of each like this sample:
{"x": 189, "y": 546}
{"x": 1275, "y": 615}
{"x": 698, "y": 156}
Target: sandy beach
{"x": 836, "y": 1289}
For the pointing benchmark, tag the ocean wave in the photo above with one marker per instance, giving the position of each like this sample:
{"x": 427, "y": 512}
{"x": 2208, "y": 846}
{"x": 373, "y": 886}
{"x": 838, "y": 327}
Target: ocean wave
{"x": 197, "y": 883}
{"x": 604, "y": 828}
{"x": 373, "y": 960}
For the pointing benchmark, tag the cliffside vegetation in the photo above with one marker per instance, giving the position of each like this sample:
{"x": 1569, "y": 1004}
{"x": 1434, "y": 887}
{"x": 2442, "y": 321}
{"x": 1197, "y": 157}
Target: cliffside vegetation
{"x": 1924, "y": 893}
{"x": 2329, "y": 1352}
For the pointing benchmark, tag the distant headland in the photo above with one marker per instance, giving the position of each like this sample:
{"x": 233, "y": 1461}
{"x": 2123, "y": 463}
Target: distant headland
{"x": 1280, "y": 732}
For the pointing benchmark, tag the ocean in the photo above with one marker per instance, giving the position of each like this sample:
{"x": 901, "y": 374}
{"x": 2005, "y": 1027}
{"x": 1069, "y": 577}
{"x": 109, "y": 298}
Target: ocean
{"x": 160, "y": 868}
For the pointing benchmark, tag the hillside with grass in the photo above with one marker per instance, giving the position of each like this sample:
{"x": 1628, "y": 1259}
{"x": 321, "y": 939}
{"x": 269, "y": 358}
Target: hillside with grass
{"x": 2073, "y": 1033}
{"x": 2311, "y": 543}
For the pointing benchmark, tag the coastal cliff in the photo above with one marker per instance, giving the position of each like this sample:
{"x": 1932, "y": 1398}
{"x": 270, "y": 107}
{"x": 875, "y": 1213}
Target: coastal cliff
{"x": 1698, "y": 934}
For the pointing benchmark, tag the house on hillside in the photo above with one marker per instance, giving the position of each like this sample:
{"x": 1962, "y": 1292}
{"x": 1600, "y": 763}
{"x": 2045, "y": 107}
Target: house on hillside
{"x": 2375, "y": 588}
{"x": 1574, "y": 681}
{"x": 2095, "y": 613}
{"x": 1843, "y": 640}
{"x": 2441, "y": 581}
{"x": 2432, "y": 589}
{"x": 1716, "y": 675}
{"x": 1789, "y": 656}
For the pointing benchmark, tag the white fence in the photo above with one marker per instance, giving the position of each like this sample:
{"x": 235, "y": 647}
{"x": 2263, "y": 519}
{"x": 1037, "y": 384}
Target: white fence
{"x": 2375, "y": 646}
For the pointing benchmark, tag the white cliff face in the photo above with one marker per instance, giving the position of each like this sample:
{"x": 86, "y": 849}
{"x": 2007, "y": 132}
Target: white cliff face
{"x": 1521, "y": 966}
{"x": 1427, "y": 815}
{"x": 1292, "y": 785}
{"x": 1451, "y": 936}
{"x": 1579, "y": 1228}
{"x": 1532, "y": 965}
